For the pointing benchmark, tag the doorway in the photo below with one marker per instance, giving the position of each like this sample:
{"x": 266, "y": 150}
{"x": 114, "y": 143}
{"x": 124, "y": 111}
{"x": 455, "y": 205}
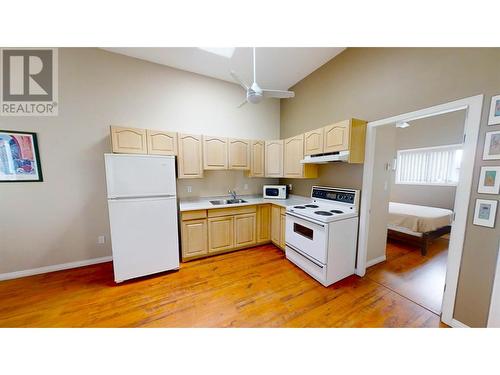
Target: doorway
{"x": 417, "y": 168}
{"x": 370, "y": 219}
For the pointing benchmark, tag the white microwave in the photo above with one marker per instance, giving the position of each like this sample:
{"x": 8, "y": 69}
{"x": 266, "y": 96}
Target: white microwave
{"x": 275, "y": 191}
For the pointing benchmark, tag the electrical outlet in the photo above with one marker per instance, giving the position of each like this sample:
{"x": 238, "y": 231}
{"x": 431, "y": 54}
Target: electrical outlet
{"x": 245, "y": 187}
{"x": 289, "y": 187}
{"x": 101, "y": 240}
{"x": 189, "y": 189}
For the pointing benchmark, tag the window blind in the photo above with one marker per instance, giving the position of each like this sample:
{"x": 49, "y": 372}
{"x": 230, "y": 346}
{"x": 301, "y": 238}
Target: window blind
{"x": 429, "y": 166}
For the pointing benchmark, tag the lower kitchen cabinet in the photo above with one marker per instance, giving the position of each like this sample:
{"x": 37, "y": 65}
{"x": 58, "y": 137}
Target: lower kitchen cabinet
{"x": 210, "y": 232}
{"x": 282, "y": 230}
{"x": 244, "y": 230}
{"x": 275, "y": 225}
{"x": 263, "y": 223}
{"x": 220, "y": 233}
{"x": 194, "y": 238}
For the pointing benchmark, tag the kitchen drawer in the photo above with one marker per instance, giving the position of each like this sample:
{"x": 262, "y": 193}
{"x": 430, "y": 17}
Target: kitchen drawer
{"x": 216, "y": 212}
{"x": 191, "y": 215}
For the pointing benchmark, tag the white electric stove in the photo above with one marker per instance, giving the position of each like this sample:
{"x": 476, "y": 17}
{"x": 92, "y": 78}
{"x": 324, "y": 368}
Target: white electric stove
{"x": 321, "y": 236}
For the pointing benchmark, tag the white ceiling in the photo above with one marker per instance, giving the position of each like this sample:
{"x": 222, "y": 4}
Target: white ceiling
{"x": 277, "y": 67}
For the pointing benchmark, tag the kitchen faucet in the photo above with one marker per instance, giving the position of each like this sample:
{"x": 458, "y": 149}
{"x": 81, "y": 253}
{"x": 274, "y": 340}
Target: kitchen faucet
{"x": 233, "y": 193}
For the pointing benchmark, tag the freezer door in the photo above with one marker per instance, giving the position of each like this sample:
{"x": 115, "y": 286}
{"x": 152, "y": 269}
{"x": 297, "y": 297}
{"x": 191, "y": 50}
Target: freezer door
{"x": 139, "y": 175}
{"x": 144, "y": 236}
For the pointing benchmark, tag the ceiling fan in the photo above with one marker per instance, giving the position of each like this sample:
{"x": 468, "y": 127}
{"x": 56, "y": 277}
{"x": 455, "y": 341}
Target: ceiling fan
{"x": 255, "y": 94}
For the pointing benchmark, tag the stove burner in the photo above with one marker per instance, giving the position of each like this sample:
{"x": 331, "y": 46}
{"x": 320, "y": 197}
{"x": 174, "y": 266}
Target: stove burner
{"x": 337, "y": 211}
{"x": 323, "y": 213}
{"x": 312, "y": 206}
{"x": 300, "y": 207}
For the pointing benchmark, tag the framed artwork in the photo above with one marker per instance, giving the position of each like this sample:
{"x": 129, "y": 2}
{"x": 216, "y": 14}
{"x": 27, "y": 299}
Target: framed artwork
{"x": 489, "y": 180}
{"x": 485, "y": 212}
{"x": 494, "y": 111}
{"x": 492, "y": 146}
{"x": 19, "y": 157}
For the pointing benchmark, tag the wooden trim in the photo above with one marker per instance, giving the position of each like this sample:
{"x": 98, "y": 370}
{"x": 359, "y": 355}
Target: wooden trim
{"x": 357, "y": 139}
{"x": 228, "y": 211}
{"x": 191, "y": 215}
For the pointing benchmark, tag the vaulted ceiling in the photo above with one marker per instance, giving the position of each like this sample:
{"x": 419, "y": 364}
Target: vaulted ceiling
{"x": 277, "y": 67}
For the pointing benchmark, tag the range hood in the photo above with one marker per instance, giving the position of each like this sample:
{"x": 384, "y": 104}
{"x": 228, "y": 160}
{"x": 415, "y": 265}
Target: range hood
{"x": 326, "y": 158}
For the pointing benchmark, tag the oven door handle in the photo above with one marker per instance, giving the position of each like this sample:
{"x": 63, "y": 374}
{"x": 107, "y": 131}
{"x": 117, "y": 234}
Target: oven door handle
{"x": 305, "y": 255}
{"x": 308, "y": 219}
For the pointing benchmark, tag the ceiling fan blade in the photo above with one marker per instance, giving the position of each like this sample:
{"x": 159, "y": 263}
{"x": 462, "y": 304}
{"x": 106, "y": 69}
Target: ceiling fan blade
{"x": 282, "y": 94}
{"x": 239, "y": 80}
{"x": 243, "y": 103}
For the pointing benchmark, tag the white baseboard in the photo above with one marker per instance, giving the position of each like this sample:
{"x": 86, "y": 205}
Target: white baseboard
{"x": 372, "y": 262}
{"x": 457, "y": 324}
{"x": 56, "y": 267}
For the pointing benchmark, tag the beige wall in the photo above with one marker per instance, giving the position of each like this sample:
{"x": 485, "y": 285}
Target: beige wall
{"x": 446, "y": 129}
{"x": 219, "y": 182}
{"x": 58, "y": 220}
{"x": 375, "y": 83}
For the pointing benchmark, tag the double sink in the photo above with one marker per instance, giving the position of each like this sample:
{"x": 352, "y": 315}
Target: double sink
{"x": 221, "y": 202}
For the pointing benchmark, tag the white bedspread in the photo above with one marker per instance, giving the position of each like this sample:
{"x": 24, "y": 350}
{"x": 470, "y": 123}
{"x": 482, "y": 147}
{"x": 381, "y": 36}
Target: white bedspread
{"x": 418, "y": 218}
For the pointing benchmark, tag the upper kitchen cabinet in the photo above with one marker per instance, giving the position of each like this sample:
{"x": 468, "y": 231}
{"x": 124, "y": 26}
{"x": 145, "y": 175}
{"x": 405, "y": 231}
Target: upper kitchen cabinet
{"x": 239, "y": 154}
{"x": 161, "y": 143}
{"x": 313, "y": 142}
{"x": 128, "y": 140}
{"x": 257, "y": 159}
{"x": 348, "y": 135}
{"x": 189, "y": 160}
{"x": 214, "y": 153}
{"x": 274, "y": 158}
{"x": 293, "y": 154}
{"x": 336, "y": 137}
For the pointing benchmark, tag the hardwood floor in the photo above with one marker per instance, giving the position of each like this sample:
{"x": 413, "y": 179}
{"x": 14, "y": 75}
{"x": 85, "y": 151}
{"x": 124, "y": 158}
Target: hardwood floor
{"x": 416, "y": 277}
{"x": 249, "y": 288}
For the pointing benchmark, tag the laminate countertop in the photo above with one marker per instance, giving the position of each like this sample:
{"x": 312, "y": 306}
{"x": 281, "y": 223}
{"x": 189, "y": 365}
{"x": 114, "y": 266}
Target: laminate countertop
{"x": 191, "y": 204}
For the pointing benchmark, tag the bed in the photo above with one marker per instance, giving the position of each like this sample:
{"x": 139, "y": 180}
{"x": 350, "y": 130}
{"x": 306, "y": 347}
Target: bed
{"x": 417, "y": 225}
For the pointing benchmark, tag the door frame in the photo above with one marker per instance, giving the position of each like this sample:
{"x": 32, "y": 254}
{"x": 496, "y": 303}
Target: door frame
{"x": 494, "y": 312}
{"x": 473, "y": 106}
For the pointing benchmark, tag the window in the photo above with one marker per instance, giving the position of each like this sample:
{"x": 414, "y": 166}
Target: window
{"x": 429, "y": 166}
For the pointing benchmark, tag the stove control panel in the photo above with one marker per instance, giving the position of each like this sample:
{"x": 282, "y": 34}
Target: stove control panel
{"x": 346, "y": 196}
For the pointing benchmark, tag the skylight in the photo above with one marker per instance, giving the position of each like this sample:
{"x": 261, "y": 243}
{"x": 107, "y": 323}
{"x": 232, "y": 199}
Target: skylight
{"x": 224, "y": 52}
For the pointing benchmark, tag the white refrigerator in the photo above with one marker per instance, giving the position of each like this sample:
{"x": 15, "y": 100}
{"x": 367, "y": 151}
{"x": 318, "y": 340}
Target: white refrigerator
{"x": 142, "y": 205}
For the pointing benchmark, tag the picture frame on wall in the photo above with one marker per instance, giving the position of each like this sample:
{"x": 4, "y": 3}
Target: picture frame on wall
{"x": 494, "y": 118}
{"x": 485, "y": 212}
{"x": 489, "y": 180}
{"x": 19, "y": 157}
{"x": 492, "y": 146}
